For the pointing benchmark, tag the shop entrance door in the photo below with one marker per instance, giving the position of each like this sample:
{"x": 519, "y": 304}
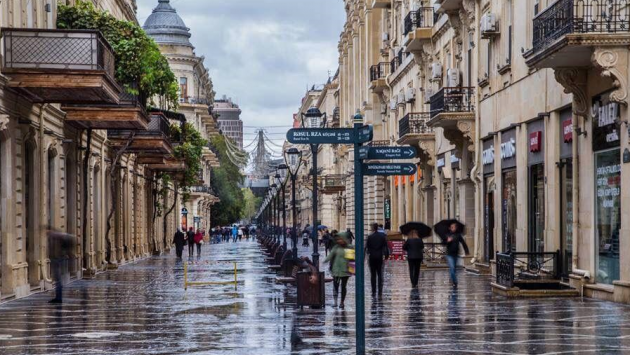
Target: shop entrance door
{"x": 489, "y": 219}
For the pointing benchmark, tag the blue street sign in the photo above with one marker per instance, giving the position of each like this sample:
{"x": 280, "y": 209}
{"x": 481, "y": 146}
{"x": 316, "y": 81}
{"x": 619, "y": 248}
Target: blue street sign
{"x": 404, "y": 152}
{"x": 387, "y": 169}
{"x": 321, "y": 136}
{"x": 366, "y": 133}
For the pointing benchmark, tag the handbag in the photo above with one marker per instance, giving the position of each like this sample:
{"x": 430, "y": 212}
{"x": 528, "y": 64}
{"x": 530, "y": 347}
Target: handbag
{"x": 349, "y": 254}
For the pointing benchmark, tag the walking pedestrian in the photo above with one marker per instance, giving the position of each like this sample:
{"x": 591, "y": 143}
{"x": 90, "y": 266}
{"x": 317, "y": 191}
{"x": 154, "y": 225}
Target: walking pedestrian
{"x": 190, "y": 240}
{"x": 198, "y": 240}
{"x": 305, "y": 236}
{"x": 234, "y": 233}
{"x": 350, "y": 236}
{"x": 179, "y": 239}
{"x": 453, "y": 240}
{"x": 61, "y": 246}
{"x": 414, "y": 246}
{"x": 377, "y": 249}
{"x": 328, "y": 241}
{"x": 240, "y": 234}
{"x": 339, "y": 268}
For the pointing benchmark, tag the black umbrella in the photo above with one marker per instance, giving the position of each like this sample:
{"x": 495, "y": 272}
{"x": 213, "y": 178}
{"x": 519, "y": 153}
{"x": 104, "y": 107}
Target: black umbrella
{"x": 442, "y": 228}
{"x": 424, "y": 231}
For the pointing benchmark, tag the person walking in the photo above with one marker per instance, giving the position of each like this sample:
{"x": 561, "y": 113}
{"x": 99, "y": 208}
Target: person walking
{"x": 234, "y": 233}
{"x": 350, "y": 236}
{"x": 414, "y": 246}
{"x": 60, "y": 249}
{"x": 190, "y": 240}
{"x": 198, "y": 239}
{"x": 453, "y": 240}
{"x": 339, "y": 268}
{"x": 240, "y": 234}
{"x": 305, "y": 236}
{"x": 377, "y": 249}
{"x": 179, "y": 239}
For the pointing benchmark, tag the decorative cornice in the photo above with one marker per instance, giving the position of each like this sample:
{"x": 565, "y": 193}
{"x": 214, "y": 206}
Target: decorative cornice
{"x": 614, "y": 66}
{"x": 4, "y": 122}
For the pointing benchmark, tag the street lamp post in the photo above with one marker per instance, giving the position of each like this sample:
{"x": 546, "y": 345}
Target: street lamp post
{"x": 314, "y": 120}
{"x": 281, "y": 180}
{"x": 293, "y": 159}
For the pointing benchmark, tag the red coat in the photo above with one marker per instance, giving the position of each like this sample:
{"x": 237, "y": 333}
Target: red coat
{"x": 198, "y": 238}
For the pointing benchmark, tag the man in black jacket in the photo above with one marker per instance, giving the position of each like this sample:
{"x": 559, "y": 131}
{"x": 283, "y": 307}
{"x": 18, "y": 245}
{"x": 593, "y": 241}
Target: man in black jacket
{"x": 453, "y": 240}
{"x": 376, "y": 247}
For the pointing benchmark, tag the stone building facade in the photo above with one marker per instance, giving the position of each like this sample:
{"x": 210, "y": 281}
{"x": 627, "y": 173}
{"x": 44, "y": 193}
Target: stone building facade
{"x": 53, "y": 175}
{"x": 229, "y": 120}
{"x": 520, "y": 121}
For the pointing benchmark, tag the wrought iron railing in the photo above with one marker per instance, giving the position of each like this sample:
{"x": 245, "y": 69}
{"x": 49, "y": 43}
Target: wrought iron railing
{"x": 57, "y": 50}
{"x": 333, "y": 181}
{"x": 379, "y": 71}
{"x": 195, "y": 100}
{"x": 525, "y": 266}
{"x": 452, "y": 99}
{"x": 414, "y": 123}
{"x": 580, "y": 16}
{"x": 396, "y": 63}
{"x": 158, "y": 126}
{"x": 434, "y": 254}
{"x": 201, "y": 189}
{"x": 424, "y": 17}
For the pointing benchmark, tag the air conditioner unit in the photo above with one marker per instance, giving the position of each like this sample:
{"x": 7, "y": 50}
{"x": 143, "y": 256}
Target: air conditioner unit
{"x": 392, "y": 104}
{"x": 489, "y": 25}
{"x": 427, "y": 95}
{"x": 410, "y": 95}
{"x": 401, "y": 98}
{"x": 452, "y": 78}
{"x": 436, "y": 70}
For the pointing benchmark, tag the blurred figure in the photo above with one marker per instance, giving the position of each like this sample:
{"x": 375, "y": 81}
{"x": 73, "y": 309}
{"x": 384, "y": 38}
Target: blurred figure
{"x": 61, "y": 249}
{"x": 339, "y": 268}
{"x": 454, "y": 239}
{"x": 198, "y": 239}
{"x": 414, "y": 246}
{"x": 190, "y": 240}
{"x": 377, "y": 249}
{"x": 179, "y": 239}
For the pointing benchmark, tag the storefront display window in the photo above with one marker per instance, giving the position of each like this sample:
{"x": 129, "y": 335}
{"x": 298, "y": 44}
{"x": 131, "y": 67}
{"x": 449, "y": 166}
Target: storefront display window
{"x": 567, "y": 215}
{"x": 509, "y": 210}
{"x": 608, "y": 214}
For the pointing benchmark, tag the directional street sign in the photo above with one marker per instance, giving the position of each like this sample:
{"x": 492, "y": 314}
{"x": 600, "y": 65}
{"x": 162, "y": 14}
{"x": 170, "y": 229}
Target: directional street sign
{"x": 386, "y": 169}
{"x": 405, "y": 152}
{"x": 321, "y": 136}
{"x": 366, "y": 133}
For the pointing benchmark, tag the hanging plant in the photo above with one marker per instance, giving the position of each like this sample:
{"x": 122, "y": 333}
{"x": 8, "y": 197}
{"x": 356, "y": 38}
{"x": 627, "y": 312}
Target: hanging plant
{"x": 138, "y": 58}
{"x": 190, "y": 150}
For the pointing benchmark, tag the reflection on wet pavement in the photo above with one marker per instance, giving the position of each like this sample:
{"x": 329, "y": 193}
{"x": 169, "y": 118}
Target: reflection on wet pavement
{"x": 143, "y": 309}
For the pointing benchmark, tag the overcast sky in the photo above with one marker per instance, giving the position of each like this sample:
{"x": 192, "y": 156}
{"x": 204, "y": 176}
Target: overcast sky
{"x": 263, "y": 53}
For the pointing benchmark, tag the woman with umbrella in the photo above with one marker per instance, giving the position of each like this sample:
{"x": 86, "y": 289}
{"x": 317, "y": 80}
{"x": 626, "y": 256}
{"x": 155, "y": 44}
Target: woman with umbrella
{"x": 450, "y": 231}
{"x": 414, "y": 246}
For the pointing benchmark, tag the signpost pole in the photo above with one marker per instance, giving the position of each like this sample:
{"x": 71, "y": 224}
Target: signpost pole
{"x": 358, "y": 227}
{"x": 314, "y": 149}
{"x": 294, "y": 218}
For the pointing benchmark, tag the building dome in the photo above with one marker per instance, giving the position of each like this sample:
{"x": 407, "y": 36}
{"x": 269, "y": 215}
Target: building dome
{"x": 166, "y": 27}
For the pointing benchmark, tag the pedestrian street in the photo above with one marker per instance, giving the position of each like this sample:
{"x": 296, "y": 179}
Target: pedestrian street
{"x": 142, "y": 308}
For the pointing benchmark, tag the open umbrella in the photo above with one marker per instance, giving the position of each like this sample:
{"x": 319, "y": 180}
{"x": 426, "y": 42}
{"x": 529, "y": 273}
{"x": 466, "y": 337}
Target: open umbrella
{"x": 424, "y": 231}
{"x": 322, "y": 228}
{"x": 442, "y": 228}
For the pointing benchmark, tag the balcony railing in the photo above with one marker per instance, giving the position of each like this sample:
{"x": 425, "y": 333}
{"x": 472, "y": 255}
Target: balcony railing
{"x": 523, "y": 266}
{"x": 158, "y": 126}
{"x": 397, "y": 61}
{"x": 580, "y": 16}
{"x": 379, "y": 71}
{"x": 424, "y": 17}
{"x": 195, "y": 100}
{"x": 414, "y": 123}
{"x": 201, "y": 189}
{"x": 56, "y": 50}
{"x": 452, "y": 99}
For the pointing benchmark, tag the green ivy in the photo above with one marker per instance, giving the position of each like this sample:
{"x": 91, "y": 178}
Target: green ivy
{"x": 190, "y": 150}
{"x": 138, "y": 57}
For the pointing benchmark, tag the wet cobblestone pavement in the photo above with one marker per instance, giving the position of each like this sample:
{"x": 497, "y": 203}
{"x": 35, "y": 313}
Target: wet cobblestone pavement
{"x": 143, "y": 309}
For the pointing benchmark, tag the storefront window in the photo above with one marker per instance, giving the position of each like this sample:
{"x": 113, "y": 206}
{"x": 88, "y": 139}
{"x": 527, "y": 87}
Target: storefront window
{"x": 537, "y": 209}
{"x": 509, "y": 210}
{"x": 489, "y": 218}
{"x": 608, "y": 214}
{"x": 567, "y": 215}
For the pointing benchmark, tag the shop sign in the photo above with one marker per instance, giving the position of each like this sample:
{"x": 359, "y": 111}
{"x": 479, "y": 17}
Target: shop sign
{"x": 508, "y": 149}
{"x": 535, "y": 141}
{"x": 567, "y": 130}
{"x": 388, "y": 208}
{"x": 441, "y": 163}
{"x": 487, "y": 157}
{"x": 605, "y": 117}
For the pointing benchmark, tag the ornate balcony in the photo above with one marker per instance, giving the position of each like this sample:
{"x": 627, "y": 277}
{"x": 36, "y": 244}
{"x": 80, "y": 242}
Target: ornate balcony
{"x": 381, "y": 4}
{"x": 170, "y": 164}
{"x": 153, "y": 142}
{"x": 453, "y": 109}
{"x": 418, "y": 28}
{"x": 128, "y": 114}
{"x": 331, "y": 184}
{"x": 566, "y": 33}
{"x": 378, "y": 75}
{"x": 336, "y": 117}
{"x": 60, "y": 66}
{"x": 413, "y": 130}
